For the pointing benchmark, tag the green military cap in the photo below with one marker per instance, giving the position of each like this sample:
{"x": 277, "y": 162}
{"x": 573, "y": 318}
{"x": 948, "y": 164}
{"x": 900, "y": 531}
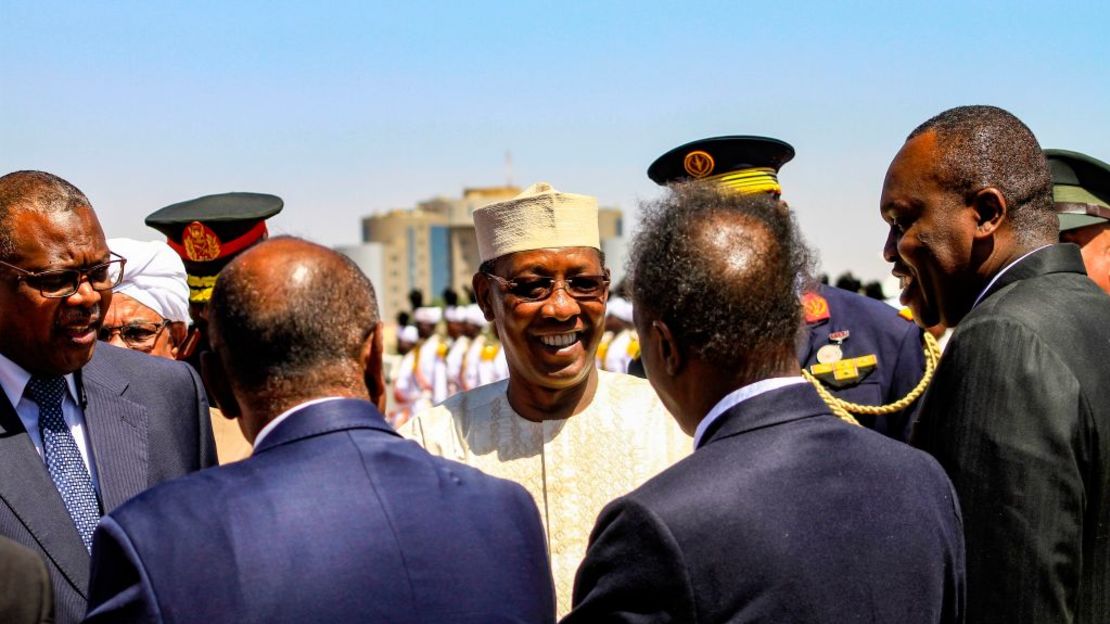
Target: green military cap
{"x": 1080, "y": 188}
{"x": 742, "y": 164}
{"x": 207, "y": 232}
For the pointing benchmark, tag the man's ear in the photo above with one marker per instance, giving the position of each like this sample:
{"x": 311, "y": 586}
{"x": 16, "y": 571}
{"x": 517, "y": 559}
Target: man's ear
{"x": 215, "y": 379}
{"x": 483, "y": 294}
{"x": 991, "y": 211}
{"x": 670, "y": 354}
{"x": 373, "y": 374}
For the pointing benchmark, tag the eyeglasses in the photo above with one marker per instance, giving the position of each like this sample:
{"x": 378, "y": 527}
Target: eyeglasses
{"x": 61, "y": 283}
{"x": 138, "y": 335}
{"x": 540, "y": 288}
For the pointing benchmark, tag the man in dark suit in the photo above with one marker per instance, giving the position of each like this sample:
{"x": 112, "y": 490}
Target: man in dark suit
{"x": 25, "y": 596}
{"x": 783, "y": 513}
{"x": 334, "y": 518}
{"x": 1019, "y": 411}
{"x": 81, "y": 429}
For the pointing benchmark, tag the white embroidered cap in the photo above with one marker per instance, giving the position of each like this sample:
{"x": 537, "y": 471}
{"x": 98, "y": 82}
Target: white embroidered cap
{"x": 539, "y": 218}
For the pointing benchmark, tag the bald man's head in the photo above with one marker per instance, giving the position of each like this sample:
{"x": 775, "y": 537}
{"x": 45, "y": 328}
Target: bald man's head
{"x": 289, "y": 318}
{"x": 721, "y": 270}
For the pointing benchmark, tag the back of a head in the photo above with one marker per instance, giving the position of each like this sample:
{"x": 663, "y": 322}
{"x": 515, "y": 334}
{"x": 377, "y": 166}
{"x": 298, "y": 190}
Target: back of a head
{"x": 288, "y": 316}
{"x": 986, "y": 146}
{"x": 721, "y": 270}
{"x": 34, "y": 190}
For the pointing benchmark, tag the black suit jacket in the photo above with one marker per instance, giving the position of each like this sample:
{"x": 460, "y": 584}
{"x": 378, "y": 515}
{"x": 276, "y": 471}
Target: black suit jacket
{"x": 147, "y": 421}
{"x": 335, "y": 518}
{"x": 25, "y": 596}
{"x": 784, "y": 514}
{"x": 1019, "y": 416}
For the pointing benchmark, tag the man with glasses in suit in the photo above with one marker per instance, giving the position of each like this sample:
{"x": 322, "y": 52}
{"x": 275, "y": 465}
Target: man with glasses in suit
{"x": 83, "y": 427}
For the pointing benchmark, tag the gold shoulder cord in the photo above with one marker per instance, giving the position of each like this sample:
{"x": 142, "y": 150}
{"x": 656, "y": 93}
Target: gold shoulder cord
{"x": 844, "y": 410}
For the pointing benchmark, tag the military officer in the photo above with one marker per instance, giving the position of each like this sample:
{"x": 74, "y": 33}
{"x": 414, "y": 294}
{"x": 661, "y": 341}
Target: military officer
{"x": 866, "y": 359}
{"x": 207, "y": 232}
{"x": 1081, "y": 190}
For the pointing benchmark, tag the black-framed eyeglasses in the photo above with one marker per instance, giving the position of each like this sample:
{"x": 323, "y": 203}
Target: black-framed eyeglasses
{"x": 61, "y": 283}
{"x": 540, "y": 288}
{"x": 139, "y": 335}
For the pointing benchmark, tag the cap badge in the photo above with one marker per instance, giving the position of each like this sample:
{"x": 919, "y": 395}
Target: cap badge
{"x": 200, "y": 242}
{"x": 699, "y": 163}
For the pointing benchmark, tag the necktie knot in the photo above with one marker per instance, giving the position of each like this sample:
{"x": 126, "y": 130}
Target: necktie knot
{"x": 46, "y": 391}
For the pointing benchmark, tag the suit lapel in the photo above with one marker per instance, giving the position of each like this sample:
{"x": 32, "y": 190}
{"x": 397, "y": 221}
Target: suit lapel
{"x": 118, "y": 436}
{"x": 26, "y": 488}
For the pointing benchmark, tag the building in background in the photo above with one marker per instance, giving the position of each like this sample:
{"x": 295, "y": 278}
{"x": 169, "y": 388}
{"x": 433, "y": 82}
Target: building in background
{"x": 432, "y": 246}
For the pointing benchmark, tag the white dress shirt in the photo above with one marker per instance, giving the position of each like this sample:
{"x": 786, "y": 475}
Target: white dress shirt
{"x": 270, "y": 426}
{"x": 739, "y": 395}
{"x": 14, "y": 381}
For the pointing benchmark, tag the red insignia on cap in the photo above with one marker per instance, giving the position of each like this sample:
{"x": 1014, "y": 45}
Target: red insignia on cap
{"x": 815, "y": 306}
{"x": 200, "y": 242}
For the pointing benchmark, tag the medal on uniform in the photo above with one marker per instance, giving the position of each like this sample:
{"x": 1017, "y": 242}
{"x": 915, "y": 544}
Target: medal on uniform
{"x": 832, "y": 352}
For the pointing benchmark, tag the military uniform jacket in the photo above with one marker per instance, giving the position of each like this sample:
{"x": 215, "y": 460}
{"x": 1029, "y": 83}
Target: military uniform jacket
{"x": 873, "y": 328}
{"x": 1019, "y": 416}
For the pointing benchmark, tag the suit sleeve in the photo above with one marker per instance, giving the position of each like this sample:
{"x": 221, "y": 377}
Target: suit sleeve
{"x": 633, "y": 571}
{"x": 119, "y": 590}
{"x": 1003, "y": 419}
{"x": 207, "y": 442}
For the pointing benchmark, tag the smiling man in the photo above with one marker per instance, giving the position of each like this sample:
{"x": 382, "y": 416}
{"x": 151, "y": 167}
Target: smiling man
{"x": 83, "y": 427}
{"x": 1019, "y": 410}
{"x": 574, "y": 436}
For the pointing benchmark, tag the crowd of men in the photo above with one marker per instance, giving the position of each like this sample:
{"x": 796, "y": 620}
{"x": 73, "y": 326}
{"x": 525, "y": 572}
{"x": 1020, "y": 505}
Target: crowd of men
{"x": 720, "y": 439}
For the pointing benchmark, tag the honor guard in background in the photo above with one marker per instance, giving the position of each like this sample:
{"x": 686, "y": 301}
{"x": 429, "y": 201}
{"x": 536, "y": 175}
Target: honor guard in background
{"x": 422, "y": 380}
{"x": 207, "y": 232}
{"x": 865, "y": 358}
{"x": 1081, "y": 190}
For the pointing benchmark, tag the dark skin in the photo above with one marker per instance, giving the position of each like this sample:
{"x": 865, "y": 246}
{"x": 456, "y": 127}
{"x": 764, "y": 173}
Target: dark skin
{"x": 687, "y": 384}
{"x": 270, "y": 267}
{"x": 945, "y": 247}
{"x": 48, "y": 336}
{"x": 1094, "y": 243}
{"x": 547, "y": 382}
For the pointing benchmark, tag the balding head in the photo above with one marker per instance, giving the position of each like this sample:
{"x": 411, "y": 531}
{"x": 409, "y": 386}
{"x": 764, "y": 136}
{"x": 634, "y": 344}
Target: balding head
{"x": 37, "y": 191}
{"x": 721, "y": 270}
{"x": 714, "y": 281}
{"x": 291, "y": 321}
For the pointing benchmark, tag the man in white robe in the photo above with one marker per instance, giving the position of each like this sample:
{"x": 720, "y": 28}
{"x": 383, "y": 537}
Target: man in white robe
{"x": 573, "y": 436}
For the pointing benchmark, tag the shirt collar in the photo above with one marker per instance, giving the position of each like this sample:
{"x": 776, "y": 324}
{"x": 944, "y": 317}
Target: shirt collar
{"x": 270, "y": 426}
{"x": 14, "y": 379}
{"x": 1004, "y": 269}
{"x": 735, "y": 397}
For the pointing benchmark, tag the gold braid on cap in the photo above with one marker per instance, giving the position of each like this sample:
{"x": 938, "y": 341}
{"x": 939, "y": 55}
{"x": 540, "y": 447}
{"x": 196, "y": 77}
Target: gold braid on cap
{"x": 749, "y": 181}
{"x": 844, "y": 410}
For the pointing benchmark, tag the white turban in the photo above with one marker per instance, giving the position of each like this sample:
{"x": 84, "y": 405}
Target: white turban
{"x": 455, "y": 314}
{"x": 475, "y": 316}
{"x": 619, "y": 308}
{"x": 408, "y": 334}
{"x": 538, "y": 218}
{"x": 428, "y": 314}
{"x": 154, "y": 275}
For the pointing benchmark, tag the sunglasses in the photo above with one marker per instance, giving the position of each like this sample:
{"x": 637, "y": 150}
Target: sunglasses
{"x": 540, "y": 288}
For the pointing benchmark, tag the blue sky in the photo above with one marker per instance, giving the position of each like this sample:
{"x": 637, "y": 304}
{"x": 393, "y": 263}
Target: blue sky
{"x": 348, "y": 108}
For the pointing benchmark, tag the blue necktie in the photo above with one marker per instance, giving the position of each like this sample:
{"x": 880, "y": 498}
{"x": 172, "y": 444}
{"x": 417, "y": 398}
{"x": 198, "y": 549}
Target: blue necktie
{"x": 63, "y": 460}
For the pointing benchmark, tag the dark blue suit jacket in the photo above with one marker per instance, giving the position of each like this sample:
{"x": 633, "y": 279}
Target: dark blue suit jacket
{"x": 876, "y": 329}
{"x": 335, "y": 518}
{"x": 784, "y": 514}
{"x": 147, "y": 421}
